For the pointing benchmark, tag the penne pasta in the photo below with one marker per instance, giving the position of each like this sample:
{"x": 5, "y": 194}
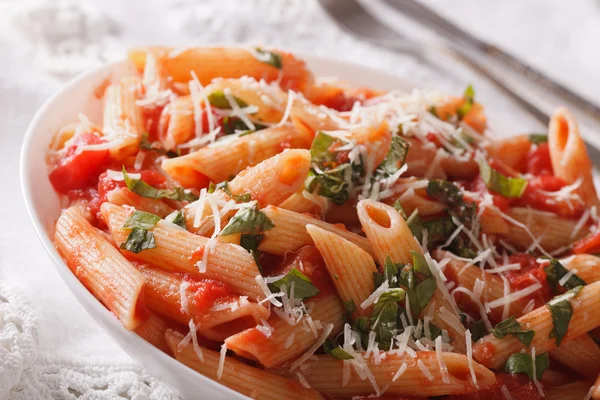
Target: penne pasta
{"x": 570, "y": 159}
{"x": 244, "y": 152}
{"x": 288, "y": 339}
{"x": 572, "y": 391}
{"x": 180, "y": 251}
{"x": 153, "y": 331}
{"x": 101, "y": 268}
{"x": 493, "y": 352}
{"x": 350, "y": 267}
{"x": 125, "y": 197}
{"x": 289, "y": 233}
{"x": 229, "y": 62}
{"x": 250, "y": 381}
{"x": 325, "y": 374}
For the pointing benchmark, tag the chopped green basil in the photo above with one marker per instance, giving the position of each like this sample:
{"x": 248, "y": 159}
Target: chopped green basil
{"x": 506, "y": 186}
{"x": 224, "y": 186}
{"x": 303, "y": 287}
{"x": 522, "y": 363}
{"x": 145, "y": 144}
{"x": 395, "y": 157}
{"x": 556, "y": 271}
{"x": 330, "y": 184}
{"x": 469, "y": 96}
{"x": 537, "y": 138}
{"x": 478, "y": 330}
{"x": 141, "y": 188}
{"x": 248, "y": 220}
{"x": 561, "y": 311}
{"x": 398, "y": 206}
{"x": 331, "y": 347}
{"x": 142, "y": 220}
{"x": 177, "y": 218}
{"x": 251, "y": 242}
{"x": 218, "y": 99}
{"x": 448, "y": 193}
{"x": 231, "y": 125}
{"x": 511, "y": 326}
{"x": 139, "y": 239}
{"x": 350, "y": 306}
{"x": 269, "y": 57}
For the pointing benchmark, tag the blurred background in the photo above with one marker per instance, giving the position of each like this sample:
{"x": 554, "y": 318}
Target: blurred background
{"x": 43, "y": 43}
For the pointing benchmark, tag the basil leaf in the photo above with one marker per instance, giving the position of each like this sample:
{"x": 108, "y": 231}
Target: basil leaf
{"x": 142, "y": 220}
{"x": 398, "y": 206}
{"x": 445, "y": 192}
{"x": 511, "y": 326}
{"x": 415, "y": 226}
{"x": 424, "y": 292}
{"x": 522, "y": 363}
{"x": 395, "y": 157}
{"x": 269, "y": 57}
{"x": 390, "y": 272}
{"x": 145, "y": 144}
{"x": 392, "y": 295}
{"x": 303, "y": 287}
{"x": 247, "y": 220}
{"x": 224, "y": 186}
{"x": 321, "y": 149}
{"x": 561, "y": 311}
{"x": 139, "y": 239}
{"x": 335, "y": 351}
{"x": 231, "y": 125}
{"x": 420, "y": 264}
{"x": 506, "y": 186}
{"x": 218, "y": 99}
{"x": 385, "y": 322}
{"x": 478, "y": 330}
{"x": 250, "y": 241}
{"x": 177, "y": 218}
{"x": 141, "y": 188}
{"x": 556, "y": 271}
{"x": 330, "y": 184}
{"x": 469, "y": 96}
{"x": 438, "y": 231}
{"x": 537, "y": 138}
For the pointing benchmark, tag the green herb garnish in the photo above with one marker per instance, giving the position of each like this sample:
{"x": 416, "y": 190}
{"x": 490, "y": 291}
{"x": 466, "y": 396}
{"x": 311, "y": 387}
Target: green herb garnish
{"x": 248, "y": 220}
{"x": 522, "y": 363}
{"x": 143, "y": 189}
{"x": 303, "y": 287}
{"x": 511, "y": 326}
{"x": 506, "y": 186}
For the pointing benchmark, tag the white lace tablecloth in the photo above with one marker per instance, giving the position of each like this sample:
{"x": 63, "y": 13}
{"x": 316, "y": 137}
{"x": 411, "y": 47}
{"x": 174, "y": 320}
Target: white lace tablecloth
{"x": 49, "y": 347}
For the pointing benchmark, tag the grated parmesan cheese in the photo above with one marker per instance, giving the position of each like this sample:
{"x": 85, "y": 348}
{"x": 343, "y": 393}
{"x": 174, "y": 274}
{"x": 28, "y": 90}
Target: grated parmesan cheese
{"x": 425, "y": 370}
{"x": 304, "y": 357}
{"x": 222, "y": 357}
{"x": 469, "y": 343}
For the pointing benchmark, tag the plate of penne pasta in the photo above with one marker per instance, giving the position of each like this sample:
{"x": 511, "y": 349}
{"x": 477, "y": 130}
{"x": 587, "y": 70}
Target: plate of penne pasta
{"x": 244, "y": 225}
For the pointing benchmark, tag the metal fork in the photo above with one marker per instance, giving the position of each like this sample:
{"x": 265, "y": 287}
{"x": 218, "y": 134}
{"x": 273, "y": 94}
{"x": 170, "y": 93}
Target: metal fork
{"x": 353, "y": 18}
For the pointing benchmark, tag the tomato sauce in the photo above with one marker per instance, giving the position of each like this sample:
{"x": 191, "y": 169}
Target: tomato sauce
{"x": 518, "y": 385}
{"x": 538, "y": 161}
{"x": 308, "y": 260}
{"x": 207, "y": 292}
{"x": 536, "y": 195}
{"x": 589, "y": 244}
{"x": 530, "y": 273}
{"x": 79, "y": 169}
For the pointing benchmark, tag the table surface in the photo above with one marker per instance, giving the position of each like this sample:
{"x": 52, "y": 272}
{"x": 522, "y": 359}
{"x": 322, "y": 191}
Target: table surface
{"x": 39, "y": 53}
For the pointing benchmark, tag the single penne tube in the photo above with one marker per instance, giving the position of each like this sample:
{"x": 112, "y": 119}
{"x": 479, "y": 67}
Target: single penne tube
{"x": 572, "y": 391}
{"x": 411, "y": 201}
{"x": 492, "y": 222}
{"x": 235, "y": 156}
{"x": 466, "y": 276}
{"x": 493, "y": 352}
{"x": 183, "y": 299}
{"x": 123, "y": 121}
{"x": 445, "y": 316}
{"x": 176, "y": 124}
{"x": 581, "y": 354}
{"x": 125, "y": 197}
{"x": 585, "y": 266}
{"x": 178, "y": 250}
{"x": 209, "y": 63}
{"x": 350, "y": 267}
{"x": 153, "y": 331}
{"x": 426, "y": 160}
{"x": 243, "y": 378}
{"x": 270, "y": 182}
{"x": 275, "y": 179}
{"x": 551, "y": 231}
{"x": 387, "y": 232}
{"x": 288, "y": 340}
{"x": 402, "y": 375}
{"x": 309, "y": 118}
{"x": 100, "y": 267}
{"x": 569, "y": 156}
{"x": 289, "y": 233}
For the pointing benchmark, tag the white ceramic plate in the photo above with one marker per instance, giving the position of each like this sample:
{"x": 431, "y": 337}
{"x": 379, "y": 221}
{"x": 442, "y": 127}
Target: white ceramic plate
{"x": 44, "y": 208}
